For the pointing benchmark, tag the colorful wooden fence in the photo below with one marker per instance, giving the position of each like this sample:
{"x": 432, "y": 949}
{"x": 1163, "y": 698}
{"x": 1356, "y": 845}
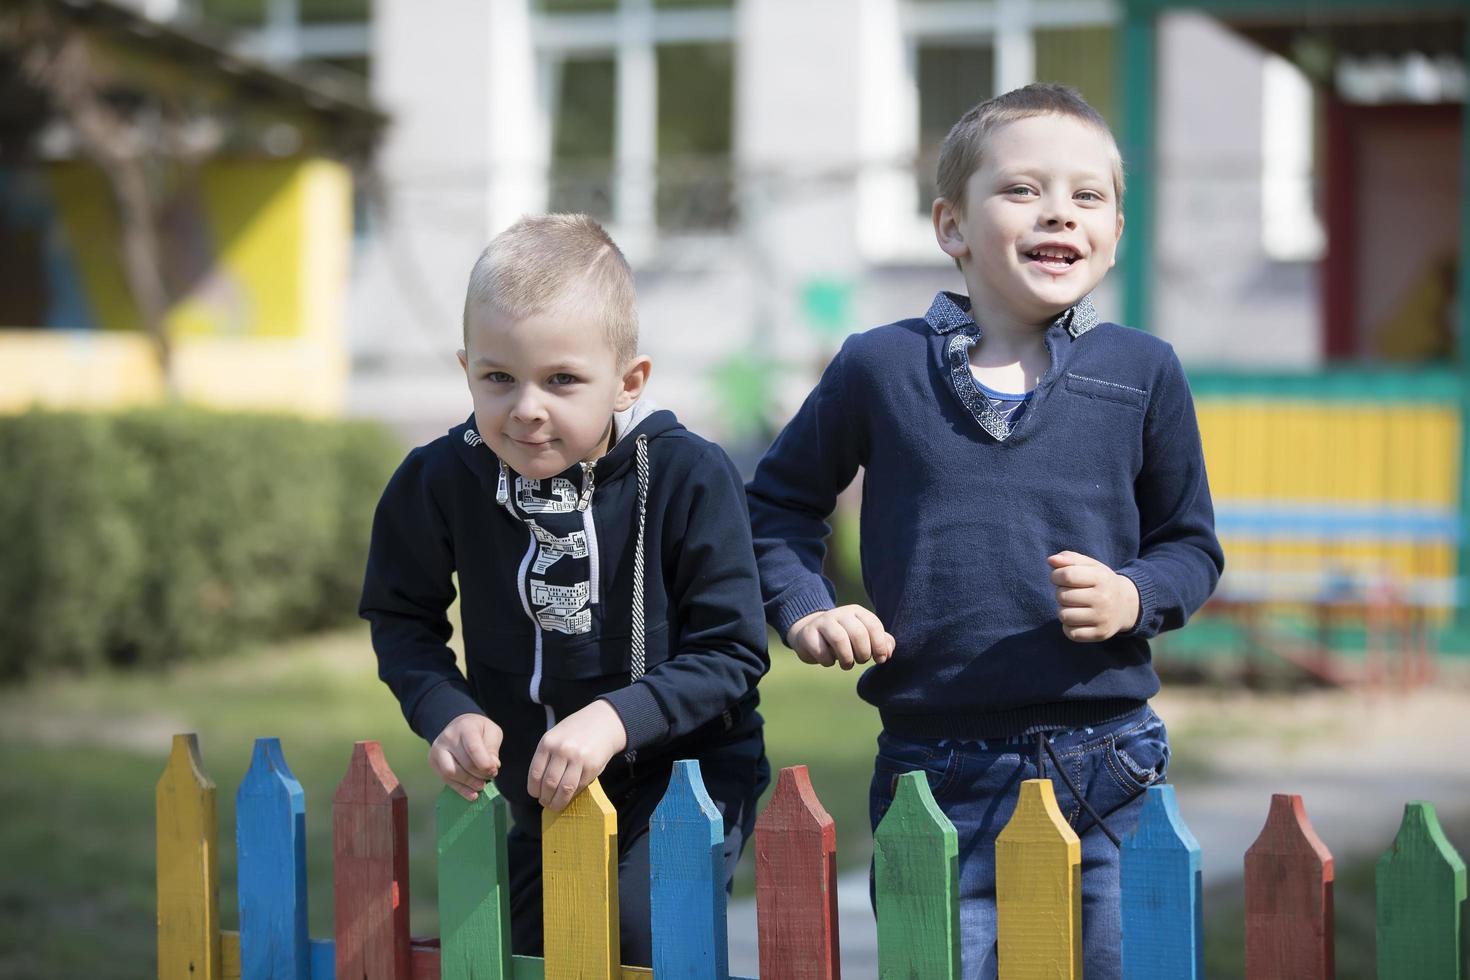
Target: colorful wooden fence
{"x": 1288, "y": 878}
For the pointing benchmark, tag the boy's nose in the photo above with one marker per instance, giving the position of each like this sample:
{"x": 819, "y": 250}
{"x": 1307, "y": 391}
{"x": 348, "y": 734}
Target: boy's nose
{"x": 527, "y": 408}
{"x": 1058, "y": 213}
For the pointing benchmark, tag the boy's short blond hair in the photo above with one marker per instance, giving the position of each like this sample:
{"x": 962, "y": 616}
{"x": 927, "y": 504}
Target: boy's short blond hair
{"x": 964, "y": 148}
{"x": 545, "y": 260}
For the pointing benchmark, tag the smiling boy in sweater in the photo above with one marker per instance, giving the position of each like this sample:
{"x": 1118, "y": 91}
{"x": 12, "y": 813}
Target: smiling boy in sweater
{"x": 1034, "y": 509}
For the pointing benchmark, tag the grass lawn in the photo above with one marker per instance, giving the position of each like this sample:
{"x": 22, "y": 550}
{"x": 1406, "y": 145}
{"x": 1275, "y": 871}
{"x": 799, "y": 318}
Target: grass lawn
{"x": 81, "y": 758}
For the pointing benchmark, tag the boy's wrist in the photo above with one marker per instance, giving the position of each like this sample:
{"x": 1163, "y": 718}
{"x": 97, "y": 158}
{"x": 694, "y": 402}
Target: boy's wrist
{"x": 606, "y": 717}
{"x": 641, "y": 715}
{"x": 445, "y": 702}
{"x": 1131, "y": 604}
{"x": 1143, "y": 584}
{"x": 798, "y": 607}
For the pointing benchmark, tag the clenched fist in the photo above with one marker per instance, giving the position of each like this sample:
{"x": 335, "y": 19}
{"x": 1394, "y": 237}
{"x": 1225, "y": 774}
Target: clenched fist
{"x": 467, "y": 753}
{"x": 574, "y": 752}
{"x": 1094, "y": 602}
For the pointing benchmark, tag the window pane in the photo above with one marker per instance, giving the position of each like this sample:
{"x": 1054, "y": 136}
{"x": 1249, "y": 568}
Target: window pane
{"x": 330, "y": 11}
{"x": 582, "y": 137}
{"x": 1081, "y": 57}
{"x": 576, "y": 6}
{"x": 695, "y": 99}
{"x": 234, "y": 13}
{"x": 952, "y": 78}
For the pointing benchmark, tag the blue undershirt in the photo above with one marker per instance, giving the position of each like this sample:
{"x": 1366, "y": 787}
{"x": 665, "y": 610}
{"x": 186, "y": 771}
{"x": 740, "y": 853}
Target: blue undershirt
{"x": 1008, "y": 407}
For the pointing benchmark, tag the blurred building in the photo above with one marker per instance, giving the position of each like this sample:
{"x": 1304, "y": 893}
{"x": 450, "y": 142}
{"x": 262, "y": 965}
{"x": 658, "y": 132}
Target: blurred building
{"x": 155, "y": 183}
{"x": 1296, "y": 217}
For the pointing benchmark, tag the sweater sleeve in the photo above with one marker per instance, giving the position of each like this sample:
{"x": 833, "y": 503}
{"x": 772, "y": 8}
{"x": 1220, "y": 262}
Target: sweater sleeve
{"x": 1180, "y": 559}
{"x": 719, "y": 653}
{"x": 794, "y": 492}
{"x": 405, "y": 595}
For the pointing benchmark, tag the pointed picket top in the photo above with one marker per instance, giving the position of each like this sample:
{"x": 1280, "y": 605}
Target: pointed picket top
{"x": 796, "y": 883}
{"x": 1421, "y": 887}
{"x": 916, "y": 873}
{"x": 370, "y": 869}
{"x": 1288, "y": 897}
{"x": 1162, "y": 886}
{"x": 1038, "y": 889}
{"x": 188, "y": 867}
{"x": 270, "y": 842}
{"x": 687, "y": 878}
{"x": 369, "y": 779}
{"x": 474, "y": 885}
{"x": 579, "y": 887}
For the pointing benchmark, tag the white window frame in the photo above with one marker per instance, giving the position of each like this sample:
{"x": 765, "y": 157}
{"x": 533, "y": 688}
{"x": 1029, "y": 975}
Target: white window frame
{"x": 893, "y": 31}
{"x": 1291, "y": 230}
{"x": 631, "y": 35}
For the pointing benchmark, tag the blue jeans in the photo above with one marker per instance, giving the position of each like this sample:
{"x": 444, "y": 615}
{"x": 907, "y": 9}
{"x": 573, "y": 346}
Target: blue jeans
{"x": 976, "y": 783}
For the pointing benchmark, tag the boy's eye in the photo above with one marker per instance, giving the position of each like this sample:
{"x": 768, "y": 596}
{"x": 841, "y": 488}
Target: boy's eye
{"x": 498, "y": 377}
{"x": 1090, "y": 196}
{"x": 563, "y": 379}
{"x": 1020, "y": 190}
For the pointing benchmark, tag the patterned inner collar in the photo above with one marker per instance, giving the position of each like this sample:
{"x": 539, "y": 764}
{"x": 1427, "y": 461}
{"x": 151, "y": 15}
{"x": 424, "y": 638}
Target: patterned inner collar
{"x": 951, "y": 311}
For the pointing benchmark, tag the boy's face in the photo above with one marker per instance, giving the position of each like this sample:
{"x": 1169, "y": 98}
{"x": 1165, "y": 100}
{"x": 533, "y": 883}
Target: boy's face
{"x": 545, "y": 386}
{"x": 1040, "y": 224}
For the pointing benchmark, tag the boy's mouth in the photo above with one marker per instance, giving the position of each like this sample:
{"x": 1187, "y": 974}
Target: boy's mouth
{"x": 1055, "y": 256}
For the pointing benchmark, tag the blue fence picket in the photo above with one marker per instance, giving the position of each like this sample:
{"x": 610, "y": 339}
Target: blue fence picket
{"x": 1163, "y": 914}
{"x": 270, "y": 838}
{"x": 687, "y": 865}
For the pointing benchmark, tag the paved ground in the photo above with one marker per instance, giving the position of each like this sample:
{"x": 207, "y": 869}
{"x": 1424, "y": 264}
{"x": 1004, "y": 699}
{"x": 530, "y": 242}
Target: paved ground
{"x": 1354, "y": 758}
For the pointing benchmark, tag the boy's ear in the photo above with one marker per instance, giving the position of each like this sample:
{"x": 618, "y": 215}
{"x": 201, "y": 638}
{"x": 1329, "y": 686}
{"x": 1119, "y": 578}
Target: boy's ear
{"x": 464, "y": 361}
{"x": 947, "y": 230}
{"x": 1118, "y": 237}
{"x": 635, "y": 379}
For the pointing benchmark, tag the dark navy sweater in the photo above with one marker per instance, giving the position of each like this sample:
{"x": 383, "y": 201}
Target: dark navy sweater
{"x": 959, "y": 513}
{"x": 547, "y": 596}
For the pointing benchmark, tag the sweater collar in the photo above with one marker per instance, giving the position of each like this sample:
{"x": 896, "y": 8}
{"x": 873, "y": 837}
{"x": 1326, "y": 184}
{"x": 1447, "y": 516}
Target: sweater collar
{"x": 951, "y": 311}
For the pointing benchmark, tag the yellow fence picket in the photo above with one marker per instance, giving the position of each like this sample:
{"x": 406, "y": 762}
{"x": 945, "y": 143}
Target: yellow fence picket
{"x": 188, "y": 868}
{"x": 579, "y": 887}
{"x": 1038, "y": 890}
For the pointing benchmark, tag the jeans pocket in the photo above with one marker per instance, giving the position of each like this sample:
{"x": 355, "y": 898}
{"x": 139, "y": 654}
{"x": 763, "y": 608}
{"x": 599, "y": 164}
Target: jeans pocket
{"x": 1139, "y": 758}
{"x": 897, "y": 757}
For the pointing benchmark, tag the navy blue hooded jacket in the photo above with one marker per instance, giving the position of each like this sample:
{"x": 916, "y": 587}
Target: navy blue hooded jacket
{"x": 549, "y": 601}
{"x": 960, "y": 512}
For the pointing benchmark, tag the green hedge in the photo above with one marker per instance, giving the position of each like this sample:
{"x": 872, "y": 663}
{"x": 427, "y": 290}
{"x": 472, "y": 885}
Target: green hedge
{"x": 172, "y": 534}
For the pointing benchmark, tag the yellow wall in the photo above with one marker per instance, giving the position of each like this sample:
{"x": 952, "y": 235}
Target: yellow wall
{"x": 261, "y": 325}
{"x": 1372, "y": 487}
{"x": 90, "y": 369}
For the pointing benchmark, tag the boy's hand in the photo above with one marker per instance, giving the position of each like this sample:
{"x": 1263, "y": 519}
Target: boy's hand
{"x": 574, "y": 752}
{"x": 1094, "y": 602}
{"x": 847, "y": 635}
{"x": 467, "y": 753}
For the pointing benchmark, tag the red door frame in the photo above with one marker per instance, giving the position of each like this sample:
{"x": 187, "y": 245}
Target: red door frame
{"x": 1342, "y": 125}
